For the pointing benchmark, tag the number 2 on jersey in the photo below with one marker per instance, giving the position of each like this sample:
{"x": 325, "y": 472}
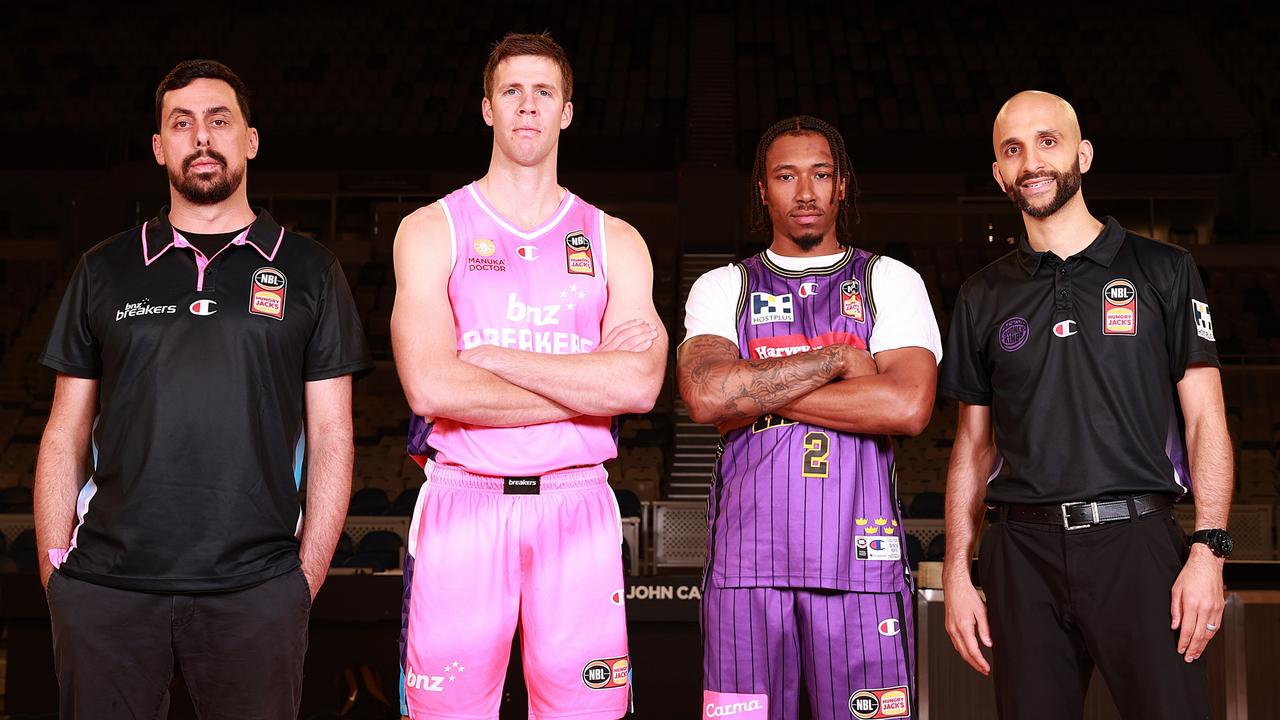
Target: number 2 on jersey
{"x": 817, "y": 446}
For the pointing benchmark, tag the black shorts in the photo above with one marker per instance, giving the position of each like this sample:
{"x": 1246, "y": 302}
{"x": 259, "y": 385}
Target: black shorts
{"x": 241, "y": 652}
{"x": 1060, "y": 601}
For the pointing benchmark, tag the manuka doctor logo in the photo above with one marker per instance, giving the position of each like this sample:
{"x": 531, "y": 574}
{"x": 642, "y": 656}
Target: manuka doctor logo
{"x": 145, "y": 307}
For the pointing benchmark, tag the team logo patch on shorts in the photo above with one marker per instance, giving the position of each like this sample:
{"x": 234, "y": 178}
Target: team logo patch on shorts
{"x": 741, "y": 706}
{"x": 1120, "y": 311}
{"x": 577, "y": 254}
{"x": 891, "y": 702}
{"x": 266, "y": 293}
{"x": 878, "y": 548}
{"x": 608, "y": 673}
{"x": 851, "y": 301}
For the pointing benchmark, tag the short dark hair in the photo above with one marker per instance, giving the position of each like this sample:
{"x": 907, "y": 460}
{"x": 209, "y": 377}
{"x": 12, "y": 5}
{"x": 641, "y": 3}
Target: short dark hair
{"x": 188, "y": 71}
{"x": 802, "y": 125}
{"x": 539, "y": 44}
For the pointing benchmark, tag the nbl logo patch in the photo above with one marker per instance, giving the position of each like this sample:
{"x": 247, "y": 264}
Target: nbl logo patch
{"x": 577, "y": 254}
{"x": 266, "y": 293}
{"x": 881, "y": 703}
{"x": 1120, "y": 308}
{"x": 851, "y": 305}
{"x": 607, "y": 673}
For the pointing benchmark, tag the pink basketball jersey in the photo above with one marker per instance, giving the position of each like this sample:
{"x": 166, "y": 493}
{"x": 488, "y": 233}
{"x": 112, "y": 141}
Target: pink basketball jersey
{"x": 542, "y": 291}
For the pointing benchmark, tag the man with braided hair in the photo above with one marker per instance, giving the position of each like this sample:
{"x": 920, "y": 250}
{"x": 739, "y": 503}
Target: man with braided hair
{"x": 807, "y": 357}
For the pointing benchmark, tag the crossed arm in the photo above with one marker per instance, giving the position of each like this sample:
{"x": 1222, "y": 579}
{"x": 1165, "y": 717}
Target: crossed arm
{"x": 838, "y": 386}
{"x": 504, "y": 387}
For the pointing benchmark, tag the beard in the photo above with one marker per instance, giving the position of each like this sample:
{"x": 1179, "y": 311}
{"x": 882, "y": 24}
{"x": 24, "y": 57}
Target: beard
{"x": 1067, "y": 185}
{"x": 206, "y": 188}
{"x": 807, "y": 241}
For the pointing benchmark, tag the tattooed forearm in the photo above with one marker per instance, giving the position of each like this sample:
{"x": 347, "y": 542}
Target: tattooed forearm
{"x": 719, "y": 386}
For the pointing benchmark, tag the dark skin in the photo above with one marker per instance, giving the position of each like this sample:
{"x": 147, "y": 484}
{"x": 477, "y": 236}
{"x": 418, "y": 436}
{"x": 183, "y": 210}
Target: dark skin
{"x": 839, "y": 386}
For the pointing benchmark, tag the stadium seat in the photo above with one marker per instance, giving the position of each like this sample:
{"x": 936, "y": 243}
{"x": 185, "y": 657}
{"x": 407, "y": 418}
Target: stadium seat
{"x": 927, "y": 505}
{"x": 915, "y": 551}
{"x": 937, "y": 551}
{"x": 404, "y": 503}
{"x": 343, "y": 551}
{"x": 378, "y": 550}
{"x": 15, "y": 500}
{"x": 629, "y": 504}
{"x": 23, "y": 551}
{"x": 369, "y": 501}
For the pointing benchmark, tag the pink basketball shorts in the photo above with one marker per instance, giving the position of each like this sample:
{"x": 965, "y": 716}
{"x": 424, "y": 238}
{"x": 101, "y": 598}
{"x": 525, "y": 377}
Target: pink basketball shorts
{"x": 486, "y": 554}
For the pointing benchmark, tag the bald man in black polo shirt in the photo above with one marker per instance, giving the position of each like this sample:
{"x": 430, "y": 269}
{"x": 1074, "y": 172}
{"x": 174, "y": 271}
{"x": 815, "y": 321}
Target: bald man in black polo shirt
{"x": 207, "y": 354}
{"x": 1090, "y": 400}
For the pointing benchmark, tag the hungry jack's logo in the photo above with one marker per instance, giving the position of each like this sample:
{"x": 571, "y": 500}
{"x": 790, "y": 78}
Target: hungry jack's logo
{"x": 266, "y": 293}
{"x": 579, "y": 259}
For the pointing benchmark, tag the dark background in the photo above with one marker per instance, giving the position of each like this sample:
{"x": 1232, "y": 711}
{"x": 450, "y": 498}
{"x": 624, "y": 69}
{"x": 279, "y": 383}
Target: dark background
{"x": 368, "y": 110}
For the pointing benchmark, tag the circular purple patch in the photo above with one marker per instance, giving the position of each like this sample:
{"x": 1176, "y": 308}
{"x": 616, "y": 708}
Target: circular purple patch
{"x": 1014, "y": 333}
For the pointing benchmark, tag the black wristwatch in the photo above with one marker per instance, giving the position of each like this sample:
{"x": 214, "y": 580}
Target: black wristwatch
{"x": 1219, "y": 541}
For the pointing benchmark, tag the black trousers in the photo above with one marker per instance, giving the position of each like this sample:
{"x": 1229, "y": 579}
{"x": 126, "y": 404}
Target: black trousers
{"x": 1060, "y": 601}
{"x": 240, "y": 652}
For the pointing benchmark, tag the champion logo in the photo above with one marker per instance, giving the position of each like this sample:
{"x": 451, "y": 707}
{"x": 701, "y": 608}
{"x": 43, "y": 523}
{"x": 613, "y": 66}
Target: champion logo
{"x": 528, "y": 253}
{"x": 1066, "y": 328}
{"x": 889, "y": 627}
{"x": 203, "y": 307}
{"x": 616, "y": 598}
{"x": 807, "y": 289}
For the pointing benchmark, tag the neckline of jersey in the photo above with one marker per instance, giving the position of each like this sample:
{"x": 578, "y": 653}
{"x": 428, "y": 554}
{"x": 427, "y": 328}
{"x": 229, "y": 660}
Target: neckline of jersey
{"x": 841, "y": 260}
{"x": 565, "y": 203}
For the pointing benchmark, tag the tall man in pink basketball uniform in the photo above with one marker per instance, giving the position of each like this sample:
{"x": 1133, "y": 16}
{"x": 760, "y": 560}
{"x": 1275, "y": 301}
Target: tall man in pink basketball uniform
{"x": 523, "y": 323}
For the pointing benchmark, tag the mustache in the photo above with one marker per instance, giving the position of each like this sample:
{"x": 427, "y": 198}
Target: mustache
{"x": 1022, "y": 179}
{"x": 199, "y": 154}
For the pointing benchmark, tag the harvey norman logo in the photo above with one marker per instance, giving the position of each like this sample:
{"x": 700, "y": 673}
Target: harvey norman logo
{"x": 138, "y": 309}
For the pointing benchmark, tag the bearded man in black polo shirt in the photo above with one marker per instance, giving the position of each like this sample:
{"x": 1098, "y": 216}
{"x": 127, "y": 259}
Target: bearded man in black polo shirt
{"x": 186, "y": 350}
{"x": 1090, "y": 399}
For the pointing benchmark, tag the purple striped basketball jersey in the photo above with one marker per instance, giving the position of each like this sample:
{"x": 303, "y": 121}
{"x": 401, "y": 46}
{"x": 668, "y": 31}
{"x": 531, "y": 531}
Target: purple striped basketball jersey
{"x": 794, "y": 504}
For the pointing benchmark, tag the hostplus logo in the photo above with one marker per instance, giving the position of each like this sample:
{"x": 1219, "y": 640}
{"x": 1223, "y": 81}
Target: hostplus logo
{"x": 138, "y": 309}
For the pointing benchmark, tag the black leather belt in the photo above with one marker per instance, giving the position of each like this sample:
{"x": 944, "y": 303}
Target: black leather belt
{"x": 1077, "y": 515}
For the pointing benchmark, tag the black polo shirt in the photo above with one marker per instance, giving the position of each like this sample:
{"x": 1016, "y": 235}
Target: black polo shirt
{"x": 1079, "y": 361}
{"x": 199, "y": 441}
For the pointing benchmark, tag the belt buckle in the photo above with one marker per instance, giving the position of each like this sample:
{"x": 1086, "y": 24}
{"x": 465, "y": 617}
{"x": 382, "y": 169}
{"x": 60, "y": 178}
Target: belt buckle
{"x": 1066, "y": 508}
